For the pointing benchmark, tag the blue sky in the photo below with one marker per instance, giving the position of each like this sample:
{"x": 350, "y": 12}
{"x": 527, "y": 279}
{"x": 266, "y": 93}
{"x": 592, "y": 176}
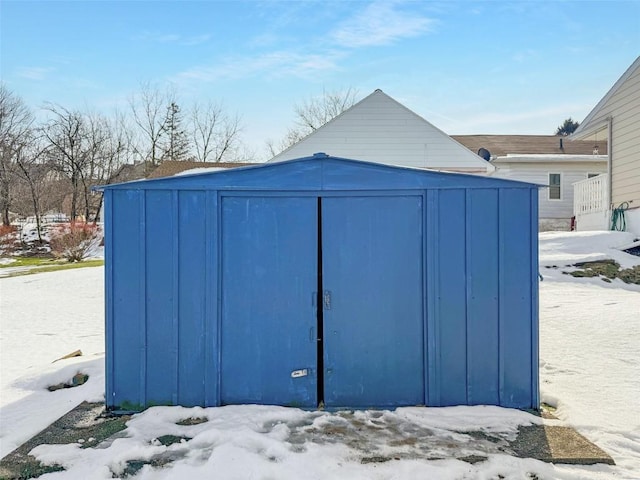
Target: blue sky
{"x": 467, "y": 67}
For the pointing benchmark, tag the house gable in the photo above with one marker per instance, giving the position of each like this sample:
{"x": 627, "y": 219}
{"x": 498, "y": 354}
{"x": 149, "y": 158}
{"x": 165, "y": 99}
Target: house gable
{"x": 382, "y": 130}
{"x": 617, "y": 116}
{"x": 624, "y": 94}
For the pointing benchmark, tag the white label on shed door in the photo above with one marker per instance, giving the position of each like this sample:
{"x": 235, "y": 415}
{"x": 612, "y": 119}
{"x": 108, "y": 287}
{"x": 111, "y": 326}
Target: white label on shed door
{"x": 300, "y": 373}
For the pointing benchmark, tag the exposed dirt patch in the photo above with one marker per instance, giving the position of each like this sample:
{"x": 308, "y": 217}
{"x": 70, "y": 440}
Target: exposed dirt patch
{"x": 160, "y": 460}
{"x": 86, "y": 425}
{"x": 134, "y": 466}
{"x": 472, "y": 459}
{"x": 167, "y": 440}
{"x": 376, "y": 438}
{"x": 372, "y": 436}
{"x": 548, "y": 411}
{"x": 403, "y": 441}
{"x": 192, "y": 421}
{"x": 375, "y": 459}
{"x": 27, "y": 470}
{"x": 77, "y": 380}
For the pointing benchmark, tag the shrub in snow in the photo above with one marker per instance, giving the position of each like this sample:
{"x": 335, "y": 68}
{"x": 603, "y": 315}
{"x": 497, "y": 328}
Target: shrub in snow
{"x": 9, "y": 239}
{"x": 75, "y": 241}
{"x": 23, "y": 240}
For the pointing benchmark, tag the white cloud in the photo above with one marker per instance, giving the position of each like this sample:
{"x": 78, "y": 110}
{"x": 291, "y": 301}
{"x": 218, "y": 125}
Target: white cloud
{"x": 272, "y": 64}
{"x": 525, "y": 55}
{"x": 195, "y": 40}
{"x": 380, "y": 23}
{"x": 264, "y": 40}
{"x": 175, "y": 38}
{"x": 33, "y": 73}
{"x": 525, "y": 121}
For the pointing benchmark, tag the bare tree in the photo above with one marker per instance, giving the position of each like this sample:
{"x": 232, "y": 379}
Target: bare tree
{"x": 15, "y": 126}
{"x": 293, "y": 136}
{"x": 317, "y": 111}
{"x": 216, "y": 134}
{"x": 312, "y": 114}
{"x": 149, "y": 109}
{"x": 96, "y": 146}
{"x": 33, "y": 172}
{"x": 86, "y": 149}
{"x": 70, "y": 148}
{"x": 117, "y": 152}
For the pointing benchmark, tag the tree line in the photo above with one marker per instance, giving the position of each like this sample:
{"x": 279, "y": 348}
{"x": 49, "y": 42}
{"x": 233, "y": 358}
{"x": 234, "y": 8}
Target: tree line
{"x": 50, "y": 161}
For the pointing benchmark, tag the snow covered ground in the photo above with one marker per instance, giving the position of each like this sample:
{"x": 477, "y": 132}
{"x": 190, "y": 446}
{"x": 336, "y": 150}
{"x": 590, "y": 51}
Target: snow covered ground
{"x": 590, "y": 370}
{"x": 590, "y": 347}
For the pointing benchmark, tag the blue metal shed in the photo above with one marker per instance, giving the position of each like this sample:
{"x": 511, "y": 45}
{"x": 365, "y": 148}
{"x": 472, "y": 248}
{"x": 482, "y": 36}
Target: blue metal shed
{"x": 321, "y": 281}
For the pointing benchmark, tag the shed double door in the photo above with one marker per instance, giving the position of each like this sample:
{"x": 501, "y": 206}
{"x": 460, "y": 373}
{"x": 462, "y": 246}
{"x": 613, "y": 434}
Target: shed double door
{"x": 322, "y": 301}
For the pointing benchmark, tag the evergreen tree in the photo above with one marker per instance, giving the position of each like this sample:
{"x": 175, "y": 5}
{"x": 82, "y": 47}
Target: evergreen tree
{"x": 176, "y": 143}
{"x": 567, "y": 128}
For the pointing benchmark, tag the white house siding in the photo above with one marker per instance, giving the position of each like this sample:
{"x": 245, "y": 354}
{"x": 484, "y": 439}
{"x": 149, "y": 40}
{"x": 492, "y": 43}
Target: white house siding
{"x": 379, "y": 129}
{"x": 625, "y": 106}
{"x": 539, "y": 173}
{"x": 622, "y": 104}
{"x": 632, "y": 218}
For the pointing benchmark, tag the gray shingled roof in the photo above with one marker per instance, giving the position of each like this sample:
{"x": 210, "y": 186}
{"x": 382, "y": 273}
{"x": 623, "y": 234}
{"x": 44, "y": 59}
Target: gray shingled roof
{"x": 169, "y": 168}
{"x": 500, "y": 145}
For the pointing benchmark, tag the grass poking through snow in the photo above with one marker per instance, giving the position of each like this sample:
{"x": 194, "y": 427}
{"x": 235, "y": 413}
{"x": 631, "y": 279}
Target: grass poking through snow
{"x": 607, "y": 270}
{"x": 40, "y": 265}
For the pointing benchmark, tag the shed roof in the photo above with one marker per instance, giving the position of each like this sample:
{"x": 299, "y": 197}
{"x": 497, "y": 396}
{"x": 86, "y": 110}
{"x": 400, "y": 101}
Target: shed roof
{"x": 319, "y": 172}
{"x": 499, "y": 145}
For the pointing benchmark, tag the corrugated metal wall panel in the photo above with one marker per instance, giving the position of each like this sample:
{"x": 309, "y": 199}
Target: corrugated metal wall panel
{"x": 213, "y": 293}
{"x": 373, "y": 331}
{"x": 450, "y": 315}
{"x": 192, "y": 294}
{"x": 107, "y": 218}
{"x": 269, "y": 275}
{"x": 162, "y": 355}
{"x": 177, "y": 331}
{"x": 516, "y": 277}
{"x": 482, "y": 253}
{"x": 482, "y": 295}
{"x": 534, "y": 328}
{"x": 127, "y": 287}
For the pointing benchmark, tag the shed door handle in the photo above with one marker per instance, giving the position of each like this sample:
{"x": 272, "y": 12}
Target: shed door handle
{"x": 326, "y": 299}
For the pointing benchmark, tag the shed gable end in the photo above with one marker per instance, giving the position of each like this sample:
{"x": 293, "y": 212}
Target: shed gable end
{"x": 320, "y": 172}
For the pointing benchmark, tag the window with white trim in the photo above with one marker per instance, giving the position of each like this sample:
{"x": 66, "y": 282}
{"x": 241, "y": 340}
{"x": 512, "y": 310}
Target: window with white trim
{"x": 555, "y": 192}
